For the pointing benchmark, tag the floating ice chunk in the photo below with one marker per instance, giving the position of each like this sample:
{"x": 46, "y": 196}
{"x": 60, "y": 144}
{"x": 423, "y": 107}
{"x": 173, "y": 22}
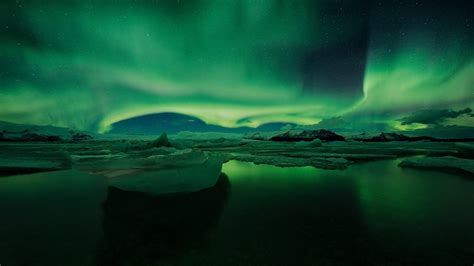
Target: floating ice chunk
{"x": 188, "y": 178}
{"x": 441, "y": 163}
{"x": 313, "y": 143}
{"x": 162, "y": 141}
{"x": 18, "y": 163}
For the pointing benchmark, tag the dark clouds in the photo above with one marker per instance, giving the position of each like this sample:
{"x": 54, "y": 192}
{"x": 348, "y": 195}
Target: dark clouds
{"x": 338, "y": 67}
{"x": 433, "y": 117}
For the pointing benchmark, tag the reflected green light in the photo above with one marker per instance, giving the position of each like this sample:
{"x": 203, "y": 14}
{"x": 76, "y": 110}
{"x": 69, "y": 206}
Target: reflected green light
{"x": 245, "y": 171}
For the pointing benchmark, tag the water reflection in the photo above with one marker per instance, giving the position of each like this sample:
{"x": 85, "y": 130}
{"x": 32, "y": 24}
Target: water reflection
{"x": 369, "y": 214}
{"x": 50, "y": 218}
{"x": 288, "y": 216}
{"x": 416, "y": 217}
{"x": 142, "y": 229}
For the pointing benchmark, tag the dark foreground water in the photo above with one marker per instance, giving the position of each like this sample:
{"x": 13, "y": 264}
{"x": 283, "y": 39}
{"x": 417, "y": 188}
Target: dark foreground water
{"x": 370, "y": 214}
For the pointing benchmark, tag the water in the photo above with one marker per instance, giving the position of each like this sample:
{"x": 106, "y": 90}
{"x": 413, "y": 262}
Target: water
{"x": 370, "y": 214}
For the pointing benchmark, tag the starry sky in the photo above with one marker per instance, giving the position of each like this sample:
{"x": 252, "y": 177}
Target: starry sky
{"x": 237, "y": 63}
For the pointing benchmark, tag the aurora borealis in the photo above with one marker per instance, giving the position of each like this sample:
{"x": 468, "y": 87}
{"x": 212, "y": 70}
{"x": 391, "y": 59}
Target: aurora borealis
{"x": 89, "y": 64}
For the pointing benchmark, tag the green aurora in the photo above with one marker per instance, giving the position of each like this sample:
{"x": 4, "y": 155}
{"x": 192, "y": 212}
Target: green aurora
{"x": 89, "y": 64}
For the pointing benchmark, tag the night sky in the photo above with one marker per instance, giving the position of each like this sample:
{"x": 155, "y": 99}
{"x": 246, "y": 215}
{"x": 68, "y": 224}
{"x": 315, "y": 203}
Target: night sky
{"x": 88, "y": 64}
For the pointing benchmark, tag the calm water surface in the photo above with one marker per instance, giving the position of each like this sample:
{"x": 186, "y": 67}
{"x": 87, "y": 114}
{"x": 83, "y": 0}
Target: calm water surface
{"x": 370, "y": 214}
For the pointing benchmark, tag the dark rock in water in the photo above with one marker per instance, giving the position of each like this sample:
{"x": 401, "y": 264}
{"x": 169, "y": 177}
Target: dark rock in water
{"x": 162, "y": 141}
{"x": 322, "y": 134}
{"x": 309, "y": 135}
{"x": 386, "y": 137}
{"x": 383, "y": 137}
{"x": 38, "y": 137}
{"x": 392, "y": 137}
{"x": 81, "y": 137}
{"x": 27, "y": 135}
{"x": 144, "y": 229}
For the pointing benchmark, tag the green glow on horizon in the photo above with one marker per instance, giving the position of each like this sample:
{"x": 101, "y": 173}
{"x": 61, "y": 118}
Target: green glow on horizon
{"x": 225, "y": 115}
{"x": 398, "y": 126}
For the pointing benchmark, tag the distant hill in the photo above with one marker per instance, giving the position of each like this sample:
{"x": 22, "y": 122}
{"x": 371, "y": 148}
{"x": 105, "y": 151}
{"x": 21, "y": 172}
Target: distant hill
{"x": 154, "y": 124}
{"x": 21, "y": 132}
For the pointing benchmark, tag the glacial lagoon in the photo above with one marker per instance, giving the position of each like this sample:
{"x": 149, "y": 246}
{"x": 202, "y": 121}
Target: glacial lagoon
{"x": 372, "y": 213}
